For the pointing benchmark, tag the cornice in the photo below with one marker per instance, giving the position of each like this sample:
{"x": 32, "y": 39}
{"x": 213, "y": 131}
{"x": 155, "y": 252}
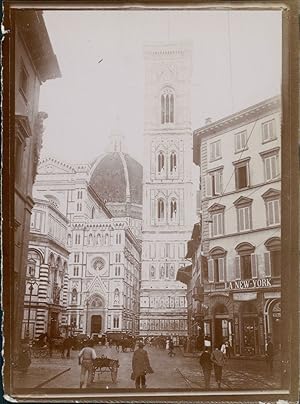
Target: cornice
{"x": 243, "y": 117}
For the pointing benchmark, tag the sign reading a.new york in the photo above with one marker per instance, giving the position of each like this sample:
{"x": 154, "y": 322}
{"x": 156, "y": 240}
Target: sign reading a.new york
{"x": 249, "y": 284}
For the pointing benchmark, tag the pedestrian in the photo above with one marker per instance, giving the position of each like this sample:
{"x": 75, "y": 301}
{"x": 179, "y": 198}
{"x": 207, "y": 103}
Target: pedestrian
{"x": 270, "y": 355}
{"x": 228, "y": 349}
{"x": 171, "y": 347}
{"x": 85, "y": 358}
{"x": 206, "y": 364}
{"x": 140, "y": 366}
{"x": 218, "y": 359}
{"x": 167, "y": 344}
{"x": 223, "y": 348}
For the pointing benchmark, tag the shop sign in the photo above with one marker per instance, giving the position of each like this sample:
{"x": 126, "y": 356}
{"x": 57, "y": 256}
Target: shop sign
{"x": 245, "y": 296}
{"x": 249, "y": 284}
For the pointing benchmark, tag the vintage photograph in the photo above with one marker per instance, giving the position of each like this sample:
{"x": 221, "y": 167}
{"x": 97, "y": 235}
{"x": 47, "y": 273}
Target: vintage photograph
{"x": 147, "y": 202}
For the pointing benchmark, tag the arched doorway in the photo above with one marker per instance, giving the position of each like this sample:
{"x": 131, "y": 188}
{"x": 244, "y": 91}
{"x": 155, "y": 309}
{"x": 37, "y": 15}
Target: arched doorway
{"x": 250, "y": 343}
{"x": 221, "y": 324}
{"x": 96, "y": 324}
{"x": 275, "y": 323}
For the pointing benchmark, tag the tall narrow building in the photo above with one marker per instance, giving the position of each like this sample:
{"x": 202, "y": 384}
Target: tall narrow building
{"x": 168, "y": 194}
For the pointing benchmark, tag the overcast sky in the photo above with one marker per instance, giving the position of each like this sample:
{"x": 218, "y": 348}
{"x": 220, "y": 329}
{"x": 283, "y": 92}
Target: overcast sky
{"x": 236, "y": 63}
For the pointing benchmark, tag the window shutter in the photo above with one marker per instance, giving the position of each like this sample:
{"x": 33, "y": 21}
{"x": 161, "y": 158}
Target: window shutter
{"x": 277, "y": 211}
{"x": 208, "y": 185}
{"x": 218, "y": 183}
{"x": 238, "y": 267}
{"x": 210, "y": 270}
{"x": 254, "y": 265}
{"x": 267, "y": 264}
{"x": 221, "y": 262}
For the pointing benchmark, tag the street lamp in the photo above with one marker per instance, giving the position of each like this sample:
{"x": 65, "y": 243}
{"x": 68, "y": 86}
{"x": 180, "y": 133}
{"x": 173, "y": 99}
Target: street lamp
{"x": 31, "y": 282}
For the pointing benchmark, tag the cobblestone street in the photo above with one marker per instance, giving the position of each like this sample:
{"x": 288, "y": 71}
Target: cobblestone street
{"x": 178, "y": 372}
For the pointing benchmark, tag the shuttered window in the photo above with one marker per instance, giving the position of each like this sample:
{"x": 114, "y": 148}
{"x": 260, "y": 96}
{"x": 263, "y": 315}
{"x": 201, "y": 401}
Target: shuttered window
{"x": 271, "y": 167}
{"x": 240, "y": 141}
{"x": 237, "y": 268}
{"x": 254, "y": 265}
{"x": 267, "y": 263}
{"x": 211, "y": 270}
{"x": 268, "y": 131}
{"x": 214, "y": 183}
{"x": 273, "y": 212}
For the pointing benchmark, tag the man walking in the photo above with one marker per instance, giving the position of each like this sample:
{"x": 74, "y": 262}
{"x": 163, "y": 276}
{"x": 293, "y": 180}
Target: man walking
{"x": 218, "y": 359}
{"x": 140, "y": 366}
{"x": 85, "y": 359}
{"x": 206, "y": 365}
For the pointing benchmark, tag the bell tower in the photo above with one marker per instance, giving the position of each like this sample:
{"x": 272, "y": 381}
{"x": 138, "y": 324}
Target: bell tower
{"x": 168, "y": 194}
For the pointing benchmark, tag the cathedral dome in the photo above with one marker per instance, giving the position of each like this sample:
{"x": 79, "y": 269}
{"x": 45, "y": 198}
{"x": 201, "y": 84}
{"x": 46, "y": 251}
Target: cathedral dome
{"x": 117, "y": 178}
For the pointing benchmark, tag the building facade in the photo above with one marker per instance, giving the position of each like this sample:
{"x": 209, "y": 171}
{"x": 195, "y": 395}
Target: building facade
{"x": 102, "y": 237}
{"x": 35, "y": 63}
{"x": 168, "y": 196}
{"x": 47, "y": 278}
{"x": 239, "y": 159}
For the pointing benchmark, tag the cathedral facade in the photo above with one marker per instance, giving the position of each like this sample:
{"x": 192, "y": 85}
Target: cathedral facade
{"x": 103, "y": 209}
{"x": 168, "y": 192}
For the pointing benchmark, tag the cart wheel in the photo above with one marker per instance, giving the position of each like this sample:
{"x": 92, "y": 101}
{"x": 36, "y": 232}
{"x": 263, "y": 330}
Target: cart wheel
{"x": 114, "y": 373}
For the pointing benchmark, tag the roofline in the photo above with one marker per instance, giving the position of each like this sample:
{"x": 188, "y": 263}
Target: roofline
{"x": 99, "y": 200}
{"x": 37, "y": 38}
{"x": 271, "y": 104}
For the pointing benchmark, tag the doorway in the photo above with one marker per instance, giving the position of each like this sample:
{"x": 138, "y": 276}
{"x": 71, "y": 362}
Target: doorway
{"x": 221, "y": 329}
{"x": 250, "y": 344}
{"x": 96, "y": 324}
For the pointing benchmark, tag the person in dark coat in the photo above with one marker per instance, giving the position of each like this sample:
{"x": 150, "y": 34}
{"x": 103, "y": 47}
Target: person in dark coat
{"x": 140, "y": 366}
{"x": 206, "y": 365}
{"x": 270, "y": 355}
{"x": 218, "y": 359}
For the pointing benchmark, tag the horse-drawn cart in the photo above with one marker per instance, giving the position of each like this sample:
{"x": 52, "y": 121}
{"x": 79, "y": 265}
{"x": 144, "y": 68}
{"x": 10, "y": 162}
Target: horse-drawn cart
{"x": 103, "y": 365}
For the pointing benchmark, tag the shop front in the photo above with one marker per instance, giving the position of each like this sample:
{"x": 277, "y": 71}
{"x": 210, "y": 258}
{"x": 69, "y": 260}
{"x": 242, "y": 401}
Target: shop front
{"x": 238, "y": 320}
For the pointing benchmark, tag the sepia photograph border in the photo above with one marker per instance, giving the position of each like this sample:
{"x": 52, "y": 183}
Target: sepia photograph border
{"x": 290, "y": 205}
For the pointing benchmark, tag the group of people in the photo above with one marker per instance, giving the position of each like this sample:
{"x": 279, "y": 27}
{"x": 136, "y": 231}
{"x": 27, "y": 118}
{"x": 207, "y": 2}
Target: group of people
{"x": 209, "y": 360}
{"x": 140, "y": 365}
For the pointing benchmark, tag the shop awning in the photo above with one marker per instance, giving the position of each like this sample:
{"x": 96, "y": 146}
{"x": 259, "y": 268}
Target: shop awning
{"x": 184, "y": 274}
{"x": 192, "y": 246}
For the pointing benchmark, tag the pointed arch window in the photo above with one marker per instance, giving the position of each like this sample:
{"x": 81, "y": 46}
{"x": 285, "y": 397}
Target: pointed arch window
{"x": 160, "y": 209}
{"x": 173, "y": 162}
{"x": 167, "y": 101}
{"x": 152, "y": 272}
{"x": 74, "y": 296}
{"x": 161, "y": 162}
{"x": 116, "y": 296}
{"x": 173, "y": 209}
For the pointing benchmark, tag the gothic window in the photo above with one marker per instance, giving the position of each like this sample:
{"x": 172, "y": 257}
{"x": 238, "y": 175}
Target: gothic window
{"x": 173, "y": 209}
{"x": 172, "y": 272}
{"x": 93, "y": 212}
{"x": 161, "y": 162}
{"x": 91, "y": 239}
{"x": 160, "y": 209}
{"x": 116, "y": 296}
{"x": 162, "y": 272}
{"x": 69, "y": 239}
{"x": 106, "y": 239}
{"x": 167, "y": 106}
{"x": 152, "y": 272}
{"x": 173, "y": 162}
{"x": 74, "y": 296}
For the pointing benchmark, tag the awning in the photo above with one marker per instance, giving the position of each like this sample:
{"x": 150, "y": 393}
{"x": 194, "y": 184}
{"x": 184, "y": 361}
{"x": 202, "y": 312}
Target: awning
{"x": 184, "y": 274}
{"x": 196, "y": 234}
